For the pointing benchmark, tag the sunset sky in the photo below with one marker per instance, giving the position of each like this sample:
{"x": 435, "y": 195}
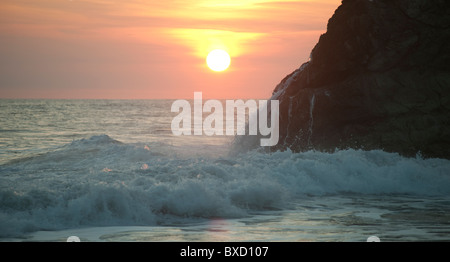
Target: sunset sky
{"x": 147, "y": 49}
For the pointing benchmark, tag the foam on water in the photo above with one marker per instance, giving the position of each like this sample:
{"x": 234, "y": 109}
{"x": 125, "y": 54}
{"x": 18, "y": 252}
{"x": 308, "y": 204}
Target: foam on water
{"x": 99, "y": 181}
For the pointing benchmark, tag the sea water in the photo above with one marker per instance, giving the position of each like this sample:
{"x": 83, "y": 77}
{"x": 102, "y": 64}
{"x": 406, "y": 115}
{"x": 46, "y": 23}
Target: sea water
{"x": 111, "y": 170}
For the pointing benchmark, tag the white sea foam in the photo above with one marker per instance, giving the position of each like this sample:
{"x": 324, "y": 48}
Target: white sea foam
{"x": 99, "y": 181}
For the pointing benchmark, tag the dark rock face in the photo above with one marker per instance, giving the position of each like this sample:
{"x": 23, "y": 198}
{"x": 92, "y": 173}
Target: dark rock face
{"x": 379, "y": 78}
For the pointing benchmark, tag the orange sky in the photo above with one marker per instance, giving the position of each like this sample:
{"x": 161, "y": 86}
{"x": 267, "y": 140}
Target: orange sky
{"x": 146, "y": 49}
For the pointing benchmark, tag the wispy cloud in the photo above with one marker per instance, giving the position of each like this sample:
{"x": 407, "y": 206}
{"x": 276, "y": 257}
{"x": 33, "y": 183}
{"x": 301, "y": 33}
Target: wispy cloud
{"x": 70, "y": 43}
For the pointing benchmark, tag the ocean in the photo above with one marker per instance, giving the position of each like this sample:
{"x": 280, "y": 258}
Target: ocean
{"x": 111, "y": 170}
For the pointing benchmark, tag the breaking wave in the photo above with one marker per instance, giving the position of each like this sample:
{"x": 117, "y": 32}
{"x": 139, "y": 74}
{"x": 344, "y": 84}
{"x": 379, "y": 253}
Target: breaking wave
{"x": 100, "y": 181}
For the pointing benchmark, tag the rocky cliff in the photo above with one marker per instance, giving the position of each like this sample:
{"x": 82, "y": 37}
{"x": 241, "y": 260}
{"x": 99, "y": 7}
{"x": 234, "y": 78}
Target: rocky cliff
{"x": 379, "y": 78}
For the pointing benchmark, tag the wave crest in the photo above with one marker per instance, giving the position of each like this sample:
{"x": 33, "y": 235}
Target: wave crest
{"x": 100, "y": 181}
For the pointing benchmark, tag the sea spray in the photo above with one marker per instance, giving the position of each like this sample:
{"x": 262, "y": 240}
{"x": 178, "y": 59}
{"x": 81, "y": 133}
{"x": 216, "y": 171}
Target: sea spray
{"x": 100, "y": 181}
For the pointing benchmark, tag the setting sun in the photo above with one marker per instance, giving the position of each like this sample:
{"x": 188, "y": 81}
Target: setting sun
{"x": 129, "y": 49}
{"x": 218, "y": 60}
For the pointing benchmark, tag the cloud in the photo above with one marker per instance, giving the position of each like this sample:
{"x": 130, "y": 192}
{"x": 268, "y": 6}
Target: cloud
{"x": 84, "y": 48}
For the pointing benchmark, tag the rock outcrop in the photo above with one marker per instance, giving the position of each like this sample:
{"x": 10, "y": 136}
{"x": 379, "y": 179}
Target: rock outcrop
{"x": 379, "y": 78}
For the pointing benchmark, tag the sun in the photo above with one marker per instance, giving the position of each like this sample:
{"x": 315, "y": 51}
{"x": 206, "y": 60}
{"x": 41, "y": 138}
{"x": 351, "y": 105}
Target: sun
{"x": 218, "y": 60}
